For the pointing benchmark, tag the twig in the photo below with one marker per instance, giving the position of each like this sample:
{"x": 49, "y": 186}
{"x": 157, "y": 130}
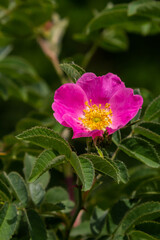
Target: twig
{"x": 53, "y": 57}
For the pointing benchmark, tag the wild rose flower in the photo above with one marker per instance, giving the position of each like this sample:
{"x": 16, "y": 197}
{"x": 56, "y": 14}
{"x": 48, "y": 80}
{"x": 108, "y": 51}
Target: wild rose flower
{"x": 95, "y": 104}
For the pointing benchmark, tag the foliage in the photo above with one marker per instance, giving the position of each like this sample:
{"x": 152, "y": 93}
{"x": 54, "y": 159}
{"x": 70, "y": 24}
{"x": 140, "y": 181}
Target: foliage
{"x": 48, "y": 179}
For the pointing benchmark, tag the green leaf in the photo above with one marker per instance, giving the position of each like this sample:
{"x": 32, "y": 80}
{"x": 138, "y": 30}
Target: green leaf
{"x": 149, "y": 186}
{"x": 135, "y": 215}
{"x": 36, "y": 226}
{"x": 108, "y": 17}
{"x": 56, "y": 195}
{"x": 50, "y": 207}
{"x": 135, "y": 235}
{"x": 150, "y": 130}
{"x": 4, "y": 192}
{"x": 137, "y": 117}
{"x": 72, "y": 70}
{"x": 17, "y": 67}
{"x": 148, "y": 8}
{"x": 29, "y": 162}
{"x": 153, "y": 110}
{"x": 114, "y": 40}
{"x": 150, "y": 227}
{"x": 46, "y": 160}
{"x": 8, "y": 220}
{"x": 108, "y": 167}
{"x": 122, "y": 171}
{"x": 98, "y": 220}
{"x": 141, "y": 150}
{"x": 51, "y": 235}
{"x": 116, "y": 137}
{"x": 46, "y": 138}
{"x": 84, "y": 169}
{"x": 82, "y": 230}
{"x": 19, "y": 187}
{"x": 37, "y": 193}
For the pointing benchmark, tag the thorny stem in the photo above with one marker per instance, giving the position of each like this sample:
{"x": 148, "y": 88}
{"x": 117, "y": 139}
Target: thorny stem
{"x": 78, "y": 208}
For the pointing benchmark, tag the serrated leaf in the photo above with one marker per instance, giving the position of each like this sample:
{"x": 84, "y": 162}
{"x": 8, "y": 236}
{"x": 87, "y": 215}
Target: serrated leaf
{"x": 36, "y": 226}
{"x": 46, "y": 138}
{"x": 149, "y": 186}
{"x": 4, "y": 192}
{"x": 123, "y": 172}
{"x": 149, "y": 227}
{"x": 19, "y": 187}
{"x": 46, "y": 160}
{"x": 104, "y": 166}
{"x": 84, "y": 169}
{"x": 150, "y": 130}
{"x": 29, "y": 162}
{"x": 135, "y": 215}
{"x": 8, "y": 220}
{"x": 72, "y": 70}
{"x": 148, "y": 8}
{"x": 116, "y": 214}
{"x": 141, "y": 150}
{"x": 153, "y": 110}
{"x": 135, "y": 234}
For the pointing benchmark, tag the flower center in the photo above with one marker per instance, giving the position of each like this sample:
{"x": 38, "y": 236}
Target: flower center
{"x": 95, "y": 117}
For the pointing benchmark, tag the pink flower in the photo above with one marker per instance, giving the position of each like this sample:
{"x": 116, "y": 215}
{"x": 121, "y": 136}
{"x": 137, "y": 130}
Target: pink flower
{"x": 95, "y": 104}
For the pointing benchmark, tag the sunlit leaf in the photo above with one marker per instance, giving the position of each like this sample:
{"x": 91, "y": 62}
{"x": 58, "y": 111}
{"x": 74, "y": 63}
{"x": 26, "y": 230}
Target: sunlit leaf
{"x": 46, "y": 138}
{"x": 72, "y": 70}
{"x": 141, "y": 150}
{"x": 46, "y": 160}
{"x": 84, "y": 169}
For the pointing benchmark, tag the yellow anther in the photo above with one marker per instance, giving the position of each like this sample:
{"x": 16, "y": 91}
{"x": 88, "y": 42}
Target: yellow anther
{"x": 96, "y": 117}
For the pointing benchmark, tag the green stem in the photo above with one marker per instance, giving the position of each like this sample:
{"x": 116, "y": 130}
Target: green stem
{"x": 78, "y": 208}
{"x": 115, "y": 154}
{"x": 89, "y": 55}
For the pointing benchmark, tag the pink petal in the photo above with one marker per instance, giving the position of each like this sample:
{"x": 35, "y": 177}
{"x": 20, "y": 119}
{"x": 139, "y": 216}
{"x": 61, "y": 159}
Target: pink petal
{"x": 124, "y": 106}
{"x": 78, "y": 129}
{"x": 70, "y": 99}
{"x": 100, "y": 89}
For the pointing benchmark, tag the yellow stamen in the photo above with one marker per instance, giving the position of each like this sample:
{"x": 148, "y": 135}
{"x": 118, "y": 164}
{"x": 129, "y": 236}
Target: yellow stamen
{"x": 96, "y": 117}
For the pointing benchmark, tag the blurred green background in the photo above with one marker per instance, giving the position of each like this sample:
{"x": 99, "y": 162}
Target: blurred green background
{"x": 130, "y": 51}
